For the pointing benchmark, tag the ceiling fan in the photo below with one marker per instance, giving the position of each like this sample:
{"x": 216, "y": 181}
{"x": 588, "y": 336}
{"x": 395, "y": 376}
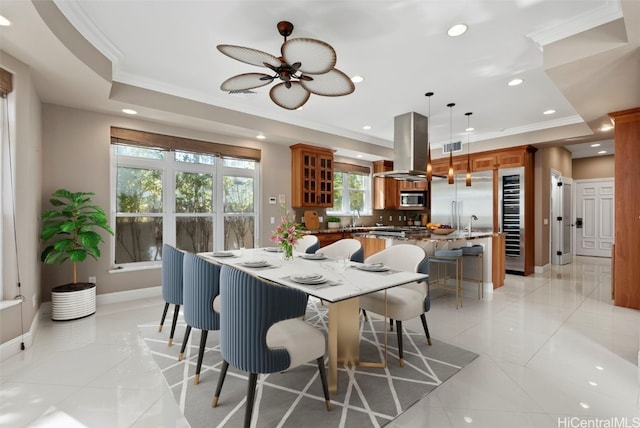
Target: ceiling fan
{"x": 305, "y": 67}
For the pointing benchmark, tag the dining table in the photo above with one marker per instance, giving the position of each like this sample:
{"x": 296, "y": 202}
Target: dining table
{"x": 336, "y": 282}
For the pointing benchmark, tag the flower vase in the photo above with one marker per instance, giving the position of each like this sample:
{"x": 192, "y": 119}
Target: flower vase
{"x": 287, "y": 251}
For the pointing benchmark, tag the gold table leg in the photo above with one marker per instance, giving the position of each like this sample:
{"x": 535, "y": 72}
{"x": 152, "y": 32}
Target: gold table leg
{"x": 344, "y": 337}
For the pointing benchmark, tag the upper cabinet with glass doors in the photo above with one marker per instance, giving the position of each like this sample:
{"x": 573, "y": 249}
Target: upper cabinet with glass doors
{"x": 311, "y": 176}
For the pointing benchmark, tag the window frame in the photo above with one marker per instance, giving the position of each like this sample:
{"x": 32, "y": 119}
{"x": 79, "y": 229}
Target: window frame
{"x": 346, "y": 199}
{"x": 169, "y": 167}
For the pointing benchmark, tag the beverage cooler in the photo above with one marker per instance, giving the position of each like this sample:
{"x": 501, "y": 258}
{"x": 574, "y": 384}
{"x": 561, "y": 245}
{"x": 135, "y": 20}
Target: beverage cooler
{"x": 511, "y": 215}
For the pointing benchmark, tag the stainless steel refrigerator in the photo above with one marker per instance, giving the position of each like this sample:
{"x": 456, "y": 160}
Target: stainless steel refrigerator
{"x": 455, "y": 204}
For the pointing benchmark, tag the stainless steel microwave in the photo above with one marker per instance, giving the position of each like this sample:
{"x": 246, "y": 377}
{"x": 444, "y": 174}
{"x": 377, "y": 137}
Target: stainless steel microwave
{"x": 413, "y": 199}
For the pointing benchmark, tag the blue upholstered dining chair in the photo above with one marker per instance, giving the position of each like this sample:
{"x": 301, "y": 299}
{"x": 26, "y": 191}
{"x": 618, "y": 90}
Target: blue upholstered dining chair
{"x": 201, "y": 288}
{"x": 307, "y": 244}
{"x": 405, "y": 301}
{"x": 344, "y": 248}
{"x": 172, "y": 259}
{"x": 260, "y": 331}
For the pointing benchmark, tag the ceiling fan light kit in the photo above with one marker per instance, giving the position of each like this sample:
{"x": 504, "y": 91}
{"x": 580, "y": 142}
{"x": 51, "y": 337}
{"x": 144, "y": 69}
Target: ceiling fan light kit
{"x": 305, "y": 67}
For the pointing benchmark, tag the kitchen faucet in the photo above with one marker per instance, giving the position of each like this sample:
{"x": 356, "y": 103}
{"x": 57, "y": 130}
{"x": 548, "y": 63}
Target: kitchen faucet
{"x": 354, "y": 214}
{"x": 473, "y": 217}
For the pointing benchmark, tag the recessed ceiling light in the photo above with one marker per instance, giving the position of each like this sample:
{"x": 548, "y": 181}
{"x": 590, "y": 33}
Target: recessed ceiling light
{"x": 469, "y": 129}
{"x": 605, "y": 128}
{"x": 357, "y": 79}
{"x": 550, "y": 111}
{"x": 129, "y": 111}
{"x": 468, "y": 419}
{"x": 359, "y": 155}
{"x": 595, "y": 145}
{"x": 4, "y": 22}
{"x": 260, "y": 137}
{"x": 601, "y": 152}
{"x": 515, "y": 82}
{"x": 584, "y": 405}
{"x": 599, "y": 367}
{"x": 592, "y": 383}
{"x": 457, "y": 30}
{"x": 366, "y": 127}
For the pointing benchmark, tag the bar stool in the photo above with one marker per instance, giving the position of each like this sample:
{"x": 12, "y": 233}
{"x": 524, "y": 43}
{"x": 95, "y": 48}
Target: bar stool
{"x": 475, "y": 252}
{"x": 449, "y": 258}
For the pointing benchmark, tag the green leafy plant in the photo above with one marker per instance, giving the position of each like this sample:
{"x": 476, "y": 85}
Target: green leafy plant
{"x": 333, "y": 219}
{"x": 70, "y": 227}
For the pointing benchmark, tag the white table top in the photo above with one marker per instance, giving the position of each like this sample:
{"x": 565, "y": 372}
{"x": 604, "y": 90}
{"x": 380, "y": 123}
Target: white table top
{"x": 343, "y": 282}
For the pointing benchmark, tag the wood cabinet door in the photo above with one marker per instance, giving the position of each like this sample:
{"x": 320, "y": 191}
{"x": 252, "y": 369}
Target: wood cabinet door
{"x": 311, "y": 176}
{"x": 483, "y": 162}
{"x": 509, "y": 159}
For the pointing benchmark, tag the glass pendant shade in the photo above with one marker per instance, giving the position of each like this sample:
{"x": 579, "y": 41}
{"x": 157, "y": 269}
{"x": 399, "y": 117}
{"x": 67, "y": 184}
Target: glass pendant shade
{"x": 429, "y": 167}
{"x": 468, "y": 179}
{"x": 450, "y": 174}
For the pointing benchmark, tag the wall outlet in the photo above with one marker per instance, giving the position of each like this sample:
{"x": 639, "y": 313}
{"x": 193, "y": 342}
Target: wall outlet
{"x": 92, "y": 279}
{"x": 273, "y": 220}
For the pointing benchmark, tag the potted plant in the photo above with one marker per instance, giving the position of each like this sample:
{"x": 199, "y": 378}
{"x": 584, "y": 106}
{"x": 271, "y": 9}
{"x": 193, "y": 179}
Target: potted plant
{"x": 69, "y": 231}
{"x": 333, "y": 222}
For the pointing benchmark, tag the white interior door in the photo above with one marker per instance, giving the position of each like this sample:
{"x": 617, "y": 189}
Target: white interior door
{"x": 594, "y": 217}
{"x": 562, "y": 219}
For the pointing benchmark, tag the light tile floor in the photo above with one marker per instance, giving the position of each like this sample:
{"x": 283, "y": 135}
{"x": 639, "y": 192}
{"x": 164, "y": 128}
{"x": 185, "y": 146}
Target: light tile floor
{"x": 554, "y": 352}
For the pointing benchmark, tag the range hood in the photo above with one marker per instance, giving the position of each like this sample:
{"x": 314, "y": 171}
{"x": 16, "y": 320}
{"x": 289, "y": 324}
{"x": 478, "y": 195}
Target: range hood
{"x": 410, "y": 136}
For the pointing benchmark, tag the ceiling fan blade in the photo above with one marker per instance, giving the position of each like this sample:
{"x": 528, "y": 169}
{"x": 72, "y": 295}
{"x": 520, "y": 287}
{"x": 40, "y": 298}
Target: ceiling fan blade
{"x": 249, "y": 56}
{"x": 246, "y": 81}
{"x": 316, "y": 56}
{"x": 332, "y": 84}
{"x": 289, "y": 98}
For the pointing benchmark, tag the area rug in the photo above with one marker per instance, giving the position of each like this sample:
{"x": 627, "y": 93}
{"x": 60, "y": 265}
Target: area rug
{"x": 367, "y": 397}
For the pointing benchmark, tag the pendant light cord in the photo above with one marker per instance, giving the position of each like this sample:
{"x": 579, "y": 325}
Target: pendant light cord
{"x": 18, "y": 296}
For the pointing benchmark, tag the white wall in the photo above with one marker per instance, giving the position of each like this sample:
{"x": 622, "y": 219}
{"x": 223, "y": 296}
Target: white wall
{"x": 25, "y": 127}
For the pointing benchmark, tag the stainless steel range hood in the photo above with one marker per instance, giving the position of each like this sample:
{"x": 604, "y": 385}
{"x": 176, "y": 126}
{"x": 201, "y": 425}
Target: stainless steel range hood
{"x": 410, "y": 137}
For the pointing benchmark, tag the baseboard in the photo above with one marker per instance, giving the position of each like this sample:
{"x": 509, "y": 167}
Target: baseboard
{"x": 13, "y": 347}
{"x": 125, "y": 296}
{"x": 542, "y": 269}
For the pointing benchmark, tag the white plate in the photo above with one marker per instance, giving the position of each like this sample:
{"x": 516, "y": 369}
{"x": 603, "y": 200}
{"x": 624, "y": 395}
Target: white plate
{"x": 376, "y": 267}
{"x": 273, "y": 249}
{"x": 318, "y": 256}
{"x": 255, "y": 263}
{"x": 222, "y": 254}
{"x": 308, "y": 279}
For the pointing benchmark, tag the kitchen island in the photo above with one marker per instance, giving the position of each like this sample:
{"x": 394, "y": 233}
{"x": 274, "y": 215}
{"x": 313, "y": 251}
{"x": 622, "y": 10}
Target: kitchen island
{"x": 431, "y": 243}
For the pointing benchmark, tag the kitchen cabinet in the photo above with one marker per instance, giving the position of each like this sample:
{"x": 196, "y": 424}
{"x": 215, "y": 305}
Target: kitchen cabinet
{"x": 371, "y": 245}
{"x": 511, "y": 158}
{"x": 327, "y": 238}
{"x": 311, "y": 176}
{"x": 413, "y": 185}
{"x": 385, "y": 190}
{"x": 482, "y": 162}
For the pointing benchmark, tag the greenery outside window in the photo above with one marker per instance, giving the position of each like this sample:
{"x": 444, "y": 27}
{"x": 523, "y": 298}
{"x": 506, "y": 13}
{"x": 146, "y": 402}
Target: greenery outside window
{"x": 351, "y": 193}
{"x": 196, "y": 201}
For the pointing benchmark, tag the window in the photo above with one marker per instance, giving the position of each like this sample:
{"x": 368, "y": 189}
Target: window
{"x": 196, "y": 201}
{"x": 351, "y": 192}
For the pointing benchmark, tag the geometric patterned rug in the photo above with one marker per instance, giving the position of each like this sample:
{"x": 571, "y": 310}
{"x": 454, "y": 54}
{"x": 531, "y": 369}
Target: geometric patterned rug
{"x": 367, "y": 397}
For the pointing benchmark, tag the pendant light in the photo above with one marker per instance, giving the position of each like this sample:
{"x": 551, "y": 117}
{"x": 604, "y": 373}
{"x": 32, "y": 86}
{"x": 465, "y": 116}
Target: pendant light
{"x": 468, "y": 180}
{"x": 429, "y": 168}
{"x": 450, "y": 174}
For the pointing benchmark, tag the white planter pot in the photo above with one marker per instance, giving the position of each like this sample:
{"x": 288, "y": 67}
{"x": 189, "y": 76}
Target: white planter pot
{"x": 333, "y": 225}
{"x": 73, "y": 301}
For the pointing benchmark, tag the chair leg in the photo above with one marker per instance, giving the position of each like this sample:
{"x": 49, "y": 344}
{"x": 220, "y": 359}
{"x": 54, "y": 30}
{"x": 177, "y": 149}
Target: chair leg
{"x": 323, "y": 379}
{"x": 203, "y": 343}
{"x": 164, "y": 315}
{"x": 176, "y": 311}
{"x": 251, "y": 394}
{"x": 223, "y": 373}
{"x": 399, "y": 332}
{"x": 364, "y": 313}
{"x": 423, "y": 318}
{"x": 187, "y": 332}
{"x": 390, "y": 324}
